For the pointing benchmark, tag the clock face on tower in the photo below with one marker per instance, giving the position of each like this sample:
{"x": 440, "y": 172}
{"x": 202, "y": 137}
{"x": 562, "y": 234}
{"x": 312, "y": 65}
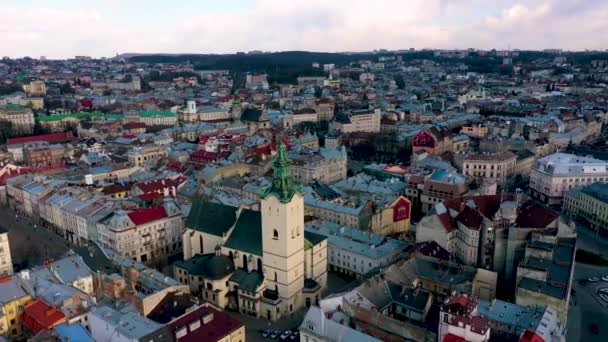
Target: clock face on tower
{"x": 423, "y": 139}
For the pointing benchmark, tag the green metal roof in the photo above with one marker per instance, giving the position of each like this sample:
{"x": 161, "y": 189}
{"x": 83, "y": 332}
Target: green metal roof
{"x": 282, "y": 186}
{"x": 212, "y": 218}
{"x": 209, "y": 266}
{"x": 313, "y": 239}
{"x": 14, "y": 106}
{"x": 248, "y": 281}
{"x": 247, "y": 233}
{"x": 79, "y": 116}
{"x": 115, "y": 116}
{"x": 152, "y": 113}
{"x": 251, "y": 114}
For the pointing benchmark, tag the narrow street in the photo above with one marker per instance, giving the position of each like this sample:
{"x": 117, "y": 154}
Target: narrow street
{"x": 30, "y": 245}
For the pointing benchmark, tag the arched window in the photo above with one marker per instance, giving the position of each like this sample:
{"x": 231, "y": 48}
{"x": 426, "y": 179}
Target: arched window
{"x": 275, "y": 234}
{"x": 245, "y": 266}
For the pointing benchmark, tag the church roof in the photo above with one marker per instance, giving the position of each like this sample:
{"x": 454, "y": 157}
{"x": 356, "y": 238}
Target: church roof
{"x": 210, "y": 266}
{"x": 248, "y": 281}
{"x": 212, "y": 218}
{"x": 247, "y": 234}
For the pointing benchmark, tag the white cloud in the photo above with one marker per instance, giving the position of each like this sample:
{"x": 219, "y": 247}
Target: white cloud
{"x": 318, "y": 25}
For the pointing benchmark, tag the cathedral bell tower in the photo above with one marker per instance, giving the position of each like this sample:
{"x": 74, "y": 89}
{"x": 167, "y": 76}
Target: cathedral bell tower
{"x": 282, "y": 211}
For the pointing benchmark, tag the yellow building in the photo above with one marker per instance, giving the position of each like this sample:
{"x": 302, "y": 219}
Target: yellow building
{"x": 13, "y": 298}
{"x": 35, "y": 88}
{"x": 589, "y": 204}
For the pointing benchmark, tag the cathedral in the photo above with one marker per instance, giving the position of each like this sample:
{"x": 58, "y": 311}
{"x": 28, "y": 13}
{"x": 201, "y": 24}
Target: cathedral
{"x": 261, "y": 263}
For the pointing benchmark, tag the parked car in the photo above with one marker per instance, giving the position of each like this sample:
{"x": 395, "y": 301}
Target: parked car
{"x": 604, "y": 296}
{"x": 285, "y": 335}
{"x": 605, "y": 278}
{"x": 295, "y": 336}
{"x": 593, "y": 279}
{"x": 266, "y": 333}
{"x": 274, "y": 334}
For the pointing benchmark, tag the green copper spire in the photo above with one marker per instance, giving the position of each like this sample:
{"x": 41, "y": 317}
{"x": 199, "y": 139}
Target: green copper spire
{"x": 282, "y": 183}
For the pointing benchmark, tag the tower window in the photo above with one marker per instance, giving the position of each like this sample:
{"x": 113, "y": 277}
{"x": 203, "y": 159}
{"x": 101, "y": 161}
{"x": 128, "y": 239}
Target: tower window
{"x": 275, "y": 234}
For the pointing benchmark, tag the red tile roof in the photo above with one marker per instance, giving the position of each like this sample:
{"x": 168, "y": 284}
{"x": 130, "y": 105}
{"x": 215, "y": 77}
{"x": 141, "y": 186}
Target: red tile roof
{"x": 470, "y": 218}
{"x": 143, "y": 216}
{"x": 534, "y": 215}
{"x": 51, "y": 138}
{"x": 216, "y": 329}
{"x": 160, "y": 184}
{"x": 13, "y": 173}
{"x": 447, "y": 222}
{"x": 134, "y": 125}
{"x": 453, "y": 338}
{"x": 38, "y": 315}
{"x": 530, "y": 336}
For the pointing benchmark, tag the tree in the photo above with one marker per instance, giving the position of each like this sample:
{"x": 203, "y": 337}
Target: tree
{"x": 38, "y": 129}
{"x": 318, "y": 92}
{"x": 399, "y": 81}
{"x": 66, "y": 88}
{"x": 6, "y": 128}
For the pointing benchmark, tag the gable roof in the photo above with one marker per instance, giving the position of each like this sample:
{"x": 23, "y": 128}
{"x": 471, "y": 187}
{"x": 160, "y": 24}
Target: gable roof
{"x": 210, "y": 217}
{"x": 247, "y": 233}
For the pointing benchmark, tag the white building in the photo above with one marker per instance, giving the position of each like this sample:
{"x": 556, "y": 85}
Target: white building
{"x": 363, "y": 120}
{"x": 323, "y": 164}
{"x": 6, "y": 262}
{"x": 553, "y": 175}
{"x": 110, "y": 325}
{"x": 353, "y": 251}
{"x": 146, "y": 235}
{"x": 317, "y": 327}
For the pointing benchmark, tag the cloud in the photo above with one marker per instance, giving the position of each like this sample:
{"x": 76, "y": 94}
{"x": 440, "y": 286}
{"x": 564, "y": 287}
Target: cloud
{"x": 318, "y": 25}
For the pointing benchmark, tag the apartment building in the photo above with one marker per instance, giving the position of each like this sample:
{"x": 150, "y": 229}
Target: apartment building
{"x": 545, "y": 275}
{"x": 492, "y": 167}
{"x": 353, "y": 251}
{"x": 35, "y": 88}
{"x": 305, "y": 115}
{"x": 147, "y": 235}
{"x": 20, "y": 118}
{"x": 590, "y": 204}
{"x": 460, "y": 320}
{"x": 43, "y": 154}
{"x": 323, "y": 164}
{"x": 552, "y": 176}
{"x": 359, "y": 120}
{"x": 325, "y": 109}
{"x": 158, "y": 118}
{"x": 73, "y": 211}
{"x": 478, "y": 131}
{"x": 6, "y": 262}
{"x": 24, "y": 192}
{"x": 108, "y": 324}
{"x": 13, "y": 298}
{"x": 437, "y": 187}
{"x": 329, "y": 206}
{"x": 487, "y": 231}
{"x": 145, "y": 155}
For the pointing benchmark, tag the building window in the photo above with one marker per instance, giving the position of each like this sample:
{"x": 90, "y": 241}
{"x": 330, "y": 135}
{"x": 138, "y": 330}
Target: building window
{"x": 275, "y": 234}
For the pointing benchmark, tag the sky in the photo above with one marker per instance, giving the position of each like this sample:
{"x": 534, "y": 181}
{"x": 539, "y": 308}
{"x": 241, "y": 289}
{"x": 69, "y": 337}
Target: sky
{"x": 104, "y": 28}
